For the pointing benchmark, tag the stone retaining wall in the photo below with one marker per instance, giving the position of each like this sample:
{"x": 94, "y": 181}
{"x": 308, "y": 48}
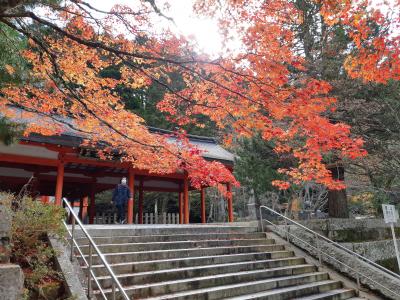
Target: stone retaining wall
{"x": 352, "y": 230}
{"x": 384, "y": 283}
{"x": 71, "y": 271}
{"x": 376, "y": 250}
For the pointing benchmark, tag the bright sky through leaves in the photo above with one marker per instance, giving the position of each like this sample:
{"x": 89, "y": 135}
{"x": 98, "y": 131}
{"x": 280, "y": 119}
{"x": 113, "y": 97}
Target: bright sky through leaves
{"x": 204, "y": 30}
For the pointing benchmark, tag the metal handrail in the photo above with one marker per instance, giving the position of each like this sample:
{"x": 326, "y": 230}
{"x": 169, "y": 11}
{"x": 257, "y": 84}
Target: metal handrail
{"x": 320, "y": 251}
{"x": 92, "y": 246}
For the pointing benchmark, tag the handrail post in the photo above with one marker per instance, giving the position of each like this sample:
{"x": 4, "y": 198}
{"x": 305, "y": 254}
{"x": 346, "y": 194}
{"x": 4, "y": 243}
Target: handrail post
{"x": 113, "y": 290}
{"x": 358, "y": 282}
{"x": 261, "y": 219}
{"x": 357, "y": 277}
{"x": 90, "y": 272}
{"x": 287, "y": 230}
{"x": 317, "y": 245}
{"x": 72, "y": 238}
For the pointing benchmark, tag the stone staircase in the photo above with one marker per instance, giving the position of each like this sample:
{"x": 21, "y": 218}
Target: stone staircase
{"x": 206, "y": 262}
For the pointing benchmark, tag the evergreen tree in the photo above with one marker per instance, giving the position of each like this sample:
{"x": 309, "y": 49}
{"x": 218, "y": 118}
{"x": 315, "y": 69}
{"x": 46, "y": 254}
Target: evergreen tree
{"x": 12, "y": 67}
{"x": 256, "y": 165}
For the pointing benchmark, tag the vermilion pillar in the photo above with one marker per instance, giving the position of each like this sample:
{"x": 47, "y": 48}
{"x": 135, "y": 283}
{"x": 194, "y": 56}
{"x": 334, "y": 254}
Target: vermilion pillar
{"x": 230, "y": 204}
{"x": 203, "y": 205}
{"x": 59, "y": 182}
{"x": 186, "y": 200}
{"x": 45, "y": 199}
{"x": 131, "y": 184}
{"x": 180, "y": 199}
{"x": 83, "y": 207}
{"x": 92, "y": 206}
{"x": 140, "y": 202}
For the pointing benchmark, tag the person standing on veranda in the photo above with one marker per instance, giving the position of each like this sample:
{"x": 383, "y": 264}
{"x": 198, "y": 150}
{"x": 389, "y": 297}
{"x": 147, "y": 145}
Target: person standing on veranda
{"x": 120, "y": 197}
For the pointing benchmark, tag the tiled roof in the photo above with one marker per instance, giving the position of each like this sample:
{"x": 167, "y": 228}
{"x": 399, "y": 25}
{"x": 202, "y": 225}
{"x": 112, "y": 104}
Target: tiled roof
{"x": 73, "y": 138}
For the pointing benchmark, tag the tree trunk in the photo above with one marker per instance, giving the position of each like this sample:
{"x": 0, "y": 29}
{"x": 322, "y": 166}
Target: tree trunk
{"x": 337, "y": 199}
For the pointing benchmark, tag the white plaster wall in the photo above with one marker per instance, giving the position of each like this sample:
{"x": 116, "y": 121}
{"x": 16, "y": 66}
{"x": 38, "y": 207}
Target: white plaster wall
{"x": 27, "y": 150}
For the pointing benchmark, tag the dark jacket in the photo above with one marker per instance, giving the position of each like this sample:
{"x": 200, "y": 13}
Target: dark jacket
{"x": 121, "y": 194}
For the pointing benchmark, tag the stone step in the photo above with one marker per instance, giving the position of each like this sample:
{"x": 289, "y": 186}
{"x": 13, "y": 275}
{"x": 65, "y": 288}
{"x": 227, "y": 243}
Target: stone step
{"x": 135, "y": 247}
{"x": 186, "y": 284}
{"x": 297, "y": 285}
{"x": 113, "y": 258}
{"x": 199, "y": 271}
{"x": 292, "y": 292}
{"x": 164, "y": 229}
{"x": 174, "y": 263}
{"x": 172, "y": 238}
{"x": 207, "y": 262}
{"x": 338, "y": 294}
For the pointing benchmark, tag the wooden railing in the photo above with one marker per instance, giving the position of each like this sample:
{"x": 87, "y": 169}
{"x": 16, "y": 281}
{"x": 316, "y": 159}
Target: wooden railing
{"x": 148, "y": 218}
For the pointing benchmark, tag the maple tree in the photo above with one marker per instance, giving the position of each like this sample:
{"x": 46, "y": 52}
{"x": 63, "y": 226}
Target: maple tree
{"x": 374, "y": 30}
{"x": 259, "y": 88}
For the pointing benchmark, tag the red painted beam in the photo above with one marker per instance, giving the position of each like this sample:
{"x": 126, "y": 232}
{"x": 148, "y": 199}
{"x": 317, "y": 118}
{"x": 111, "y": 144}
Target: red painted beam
{"x": 28, "y": 161}
{"x": 68, "y": 158}
{"x": 94, "y": 162}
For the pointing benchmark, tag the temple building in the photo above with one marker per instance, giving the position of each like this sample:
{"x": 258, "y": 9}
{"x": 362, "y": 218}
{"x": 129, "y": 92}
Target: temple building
{"x": 62, "y": 167}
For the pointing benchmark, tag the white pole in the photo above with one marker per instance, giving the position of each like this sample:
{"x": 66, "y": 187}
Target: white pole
{"x": 395, "y": 245}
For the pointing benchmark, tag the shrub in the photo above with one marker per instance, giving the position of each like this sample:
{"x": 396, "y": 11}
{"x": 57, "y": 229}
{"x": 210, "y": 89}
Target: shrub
{"x": 362, "y": 204}
{"x": 32, "y": 222}
{"x": 379, "y": 199}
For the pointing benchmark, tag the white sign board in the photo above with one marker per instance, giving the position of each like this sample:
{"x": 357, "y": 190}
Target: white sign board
{"x": 389, "y": 213}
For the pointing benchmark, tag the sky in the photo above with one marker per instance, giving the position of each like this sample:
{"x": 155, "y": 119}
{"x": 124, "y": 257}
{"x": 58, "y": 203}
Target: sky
{"x": 204, "y": 30}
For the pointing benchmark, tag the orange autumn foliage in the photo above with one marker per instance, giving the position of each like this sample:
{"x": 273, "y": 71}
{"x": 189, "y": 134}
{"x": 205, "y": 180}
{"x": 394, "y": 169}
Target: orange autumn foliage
{"x": 258, "y": 88}
{"x": 374, "y": 28}
{"x": 65, "y": 85}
